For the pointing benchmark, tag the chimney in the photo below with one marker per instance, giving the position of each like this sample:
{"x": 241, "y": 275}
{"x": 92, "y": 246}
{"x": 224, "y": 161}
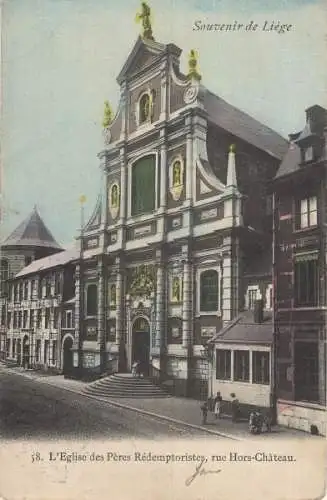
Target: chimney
{"x": 258, "y": 311}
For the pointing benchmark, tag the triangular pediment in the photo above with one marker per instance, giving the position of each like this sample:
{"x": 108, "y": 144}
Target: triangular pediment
{"x": 143, "y": 54}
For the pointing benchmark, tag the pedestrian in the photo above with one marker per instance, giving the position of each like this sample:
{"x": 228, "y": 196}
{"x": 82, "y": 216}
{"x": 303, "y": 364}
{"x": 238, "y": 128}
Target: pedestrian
{"x": 217, "y": 405}
{"x": 134, "y": 368}
{"x": 204, "y": 409}
{"x": 235, "y": 408}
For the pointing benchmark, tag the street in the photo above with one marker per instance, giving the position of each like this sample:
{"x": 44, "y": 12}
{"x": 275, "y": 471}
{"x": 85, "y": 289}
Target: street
{"x": 33, "y": 410}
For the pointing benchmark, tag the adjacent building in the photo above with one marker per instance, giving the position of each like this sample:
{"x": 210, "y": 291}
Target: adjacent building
{"x": 300, "y": 277}
{"x": 41, "y": 313}
{"x": 30, "y": 241}
{"x": 167, "y": 256}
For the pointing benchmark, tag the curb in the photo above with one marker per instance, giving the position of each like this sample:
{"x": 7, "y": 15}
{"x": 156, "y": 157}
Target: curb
{"x": 131, "y": 408}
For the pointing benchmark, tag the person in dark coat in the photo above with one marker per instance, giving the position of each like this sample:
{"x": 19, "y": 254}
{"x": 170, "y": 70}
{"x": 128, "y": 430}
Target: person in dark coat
{"x": 235, "y": 408}
{"x": 204, "y": 409}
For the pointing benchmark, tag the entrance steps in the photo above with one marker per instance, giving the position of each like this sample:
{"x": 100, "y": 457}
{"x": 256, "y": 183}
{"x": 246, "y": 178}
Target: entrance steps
{"x": 124, "y": 385}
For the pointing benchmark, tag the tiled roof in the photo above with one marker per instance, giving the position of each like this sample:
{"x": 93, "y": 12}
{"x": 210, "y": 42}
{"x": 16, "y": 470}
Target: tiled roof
{"x": 32, "y": 232}
{"x": 244, "y": 126}
{"x": 291, "y": 161}
{"x": 55, "y": 260}
{"x": 243, "y": 330}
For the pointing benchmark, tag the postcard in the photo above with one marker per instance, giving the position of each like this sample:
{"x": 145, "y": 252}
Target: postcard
{"x": 163, "y": 250}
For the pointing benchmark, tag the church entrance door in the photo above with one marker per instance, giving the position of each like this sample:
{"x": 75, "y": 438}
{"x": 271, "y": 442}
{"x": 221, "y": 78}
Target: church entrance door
{"x": 141, "y": 343}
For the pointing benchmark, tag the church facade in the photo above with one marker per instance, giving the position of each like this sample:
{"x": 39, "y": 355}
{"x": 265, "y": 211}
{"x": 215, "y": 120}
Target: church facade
{"x": 182, "y": 213}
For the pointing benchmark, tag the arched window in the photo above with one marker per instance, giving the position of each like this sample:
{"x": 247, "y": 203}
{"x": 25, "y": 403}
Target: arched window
{"x": 144, "y": 108}
{"x": 92, "y": 300}
{"x": 209, "y": 291}
{"x": 143, "y": 186}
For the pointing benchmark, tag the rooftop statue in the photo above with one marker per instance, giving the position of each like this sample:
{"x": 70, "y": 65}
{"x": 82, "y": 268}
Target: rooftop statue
{"x": 145, "y": 17}
{"x": 193, "y": 72}
{"x": 107, "y": 115}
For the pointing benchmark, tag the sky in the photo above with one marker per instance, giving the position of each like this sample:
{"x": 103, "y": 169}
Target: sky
{"x": 60, "y": 60}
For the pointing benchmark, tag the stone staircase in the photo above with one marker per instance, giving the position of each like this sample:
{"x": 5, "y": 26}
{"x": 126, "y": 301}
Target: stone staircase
{"x": 124, "y": 385}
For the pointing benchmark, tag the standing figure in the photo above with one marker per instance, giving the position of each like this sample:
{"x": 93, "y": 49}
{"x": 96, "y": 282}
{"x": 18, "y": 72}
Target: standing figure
{"x": 204, "y": 409}
{"x": 217, "y": 405}
{"x": 235, "y": 408}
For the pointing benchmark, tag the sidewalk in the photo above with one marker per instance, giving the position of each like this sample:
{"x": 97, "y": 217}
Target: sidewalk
{"x": 182, "y": 411}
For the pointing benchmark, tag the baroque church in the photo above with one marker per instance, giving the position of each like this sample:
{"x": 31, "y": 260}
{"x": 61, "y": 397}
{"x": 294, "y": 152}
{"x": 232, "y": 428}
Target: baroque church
{"x": 183, "y": 215}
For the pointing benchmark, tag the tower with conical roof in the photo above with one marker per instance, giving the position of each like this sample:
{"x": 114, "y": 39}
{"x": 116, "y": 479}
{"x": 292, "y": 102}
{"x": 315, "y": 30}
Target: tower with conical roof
{"x": 30, "y": 240}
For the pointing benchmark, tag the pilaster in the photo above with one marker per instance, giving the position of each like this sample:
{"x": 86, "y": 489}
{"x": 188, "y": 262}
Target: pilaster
{"x": 101, "y": 309}
{"x": 119, "y": 301}
{"x": 160, "y": 330}
{"x": 187, "y": 335}
{"x": 189, "y": 159}
{"x": 163, "y": 172}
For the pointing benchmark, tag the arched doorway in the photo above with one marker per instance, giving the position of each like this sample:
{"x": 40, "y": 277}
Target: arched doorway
{"x": 67, "y": 356}
{"x": 26, "y": 352}
{"x": 141, "y": 343}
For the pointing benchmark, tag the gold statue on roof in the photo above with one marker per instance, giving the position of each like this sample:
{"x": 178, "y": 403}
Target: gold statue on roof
{"x": 107, "y": 115}
{"x": 193, "y": 72}
{"x": 145, "y": 17}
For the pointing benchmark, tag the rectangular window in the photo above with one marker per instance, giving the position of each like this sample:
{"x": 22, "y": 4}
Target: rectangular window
{"x": 143, "y": 186}
{"x": 39, "y": 318}
{"x": 306, "y": 282}
{"x": 308, "y": 212}
{"x": 306, "y": 372}
{"x": 14, "y": 348}
{"x": 308, "y": 154}
{"x": 69, "y": 323}
{"x": 209, "y": 286}
{"x": 26, "y": 290}
{"x": 57, "y": 283}
{"x": 38, "y": 351}
{"x": 47, "y": 318}
{"x": 223, "y": 364}
{"x": 260, "y": 367}
{"x": 46, "y": 351}
{"x": 55, "y": 317}
{"x": 33, "y": 289}
{"x": 32, "y": 318}
{"x": 20, "y": 319}
{"x": 9, "y": 319}
{"x": 48, "y": 287}
{"x": 242, "y": 366}
{"x": 54, "y": 352}
{"x": 25, "y": 319}
{"x": 20, "y": 292}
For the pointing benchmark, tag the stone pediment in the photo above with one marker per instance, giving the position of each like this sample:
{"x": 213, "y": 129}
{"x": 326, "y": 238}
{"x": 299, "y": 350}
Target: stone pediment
{"x": 143, "y": 54}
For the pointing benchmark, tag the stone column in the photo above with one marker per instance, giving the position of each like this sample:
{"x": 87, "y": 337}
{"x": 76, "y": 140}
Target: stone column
{"x": 189, "y": 159}
{"x": 163, "y": 176}
{"x": 119, "y": 305}
{"x": 164, "y": 86}
{"x": 79, "y": 309}
{"x": 187, "y": 303}
{"x": 160, "y": 308}
{"x": 228, "y": 282}
{"x": 123, "y": 185}
{"x": 101, "y": 312}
